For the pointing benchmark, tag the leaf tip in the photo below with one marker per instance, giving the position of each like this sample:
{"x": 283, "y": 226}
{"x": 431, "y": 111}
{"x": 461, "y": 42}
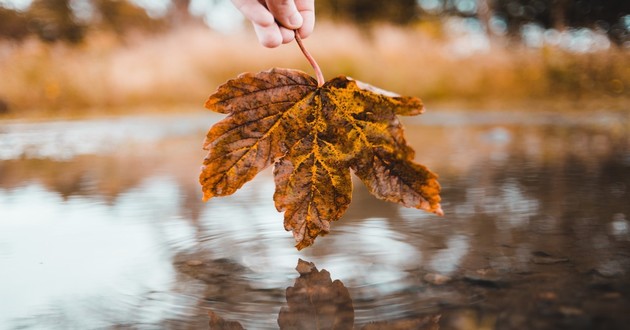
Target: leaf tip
{"x": 304, "y": 267}
{"x": 431, "y": 207}
{"x": 303, "y": 239}
{"x": 302, "y": 245}
{"x": 210, "y": 102}
{"x": 438, "y": 210}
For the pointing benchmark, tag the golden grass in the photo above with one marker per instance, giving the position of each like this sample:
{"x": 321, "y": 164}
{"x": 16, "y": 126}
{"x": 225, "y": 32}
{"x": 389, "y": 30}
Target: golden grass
{"x": 185, "y": 65}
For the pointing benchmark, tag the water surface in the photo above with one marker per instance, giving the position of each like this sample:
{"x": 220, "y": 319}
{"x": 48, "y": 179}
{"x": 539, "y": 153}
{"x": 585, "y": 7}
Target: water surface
{"x": 102, "y": 225}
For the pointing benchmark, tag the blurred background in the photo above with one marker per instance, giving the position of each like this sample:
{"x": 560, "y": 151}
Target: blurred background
{"x": 69, "y": 57}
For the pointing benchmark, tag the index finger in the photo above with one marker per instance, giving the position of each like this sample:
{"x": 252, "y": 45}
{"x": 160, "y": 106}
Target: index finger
{"x": 285, "y": 13}
{"x": 307, "y": 10}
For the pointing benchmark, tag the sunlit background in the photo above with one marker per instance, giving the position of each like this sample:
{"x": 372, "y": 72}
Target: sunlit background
{"x": 77, "y": 57}
{"x": 527, "y": 124}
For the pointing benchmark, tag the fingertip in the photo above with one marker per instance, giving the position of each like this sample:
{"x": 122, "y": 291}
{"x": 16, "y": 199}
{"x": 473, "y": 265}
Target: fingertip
{"x": 256, "y": 13}
{"x": 269, "y": 36}
{"x": 295, "y": 21}
{"x": 307, "y": 11}
{"x": 309, "y": 24}
{"x": 286, "y": 14}
{"x": 287, "y": 35}
{"x": 271, "y": 41}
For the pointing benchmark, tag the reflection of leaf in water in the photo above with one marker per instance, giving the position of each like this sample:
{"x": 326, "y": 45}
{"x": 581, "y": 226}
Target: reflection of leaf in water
{"x": 218, "y": 323}
{"x": 430, "y": 322}
{"x": 316, "y": 302}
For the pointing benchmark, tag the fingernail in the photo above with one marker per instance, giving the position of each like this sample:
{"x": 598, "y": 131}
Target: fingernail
{"x": 296, "y": 20}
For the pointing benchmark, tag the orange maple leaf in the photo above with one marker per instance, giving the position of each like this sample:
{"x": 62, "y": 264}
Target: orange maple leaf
{"x": 314, "y": 135}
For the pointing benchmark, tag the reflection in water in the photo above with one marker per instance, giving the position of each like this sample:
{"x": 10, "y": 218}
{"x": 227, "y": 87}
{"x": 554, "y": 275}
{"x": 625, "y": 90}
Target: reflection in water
{"x": 536, "y": 233}
{"x": 316, "y": 302}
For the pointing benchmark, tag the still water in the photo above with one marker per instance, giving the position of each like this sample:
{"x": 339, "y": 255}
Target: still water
{"x": 102, "y": 227}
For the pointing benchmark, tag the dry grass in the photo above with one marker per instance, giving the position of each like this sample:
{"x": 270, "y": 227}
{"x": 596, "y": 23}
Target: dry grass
{"x": 185, "y": 65}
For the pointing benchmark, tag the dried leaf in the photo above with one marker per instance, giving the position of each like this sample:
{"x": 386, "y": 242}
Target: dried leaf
{"x": 314, "y": 136}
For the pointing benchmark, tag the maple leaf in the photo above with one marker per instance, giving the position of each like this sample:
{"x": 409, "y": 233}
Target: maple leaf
{"x": 314, "y": 135}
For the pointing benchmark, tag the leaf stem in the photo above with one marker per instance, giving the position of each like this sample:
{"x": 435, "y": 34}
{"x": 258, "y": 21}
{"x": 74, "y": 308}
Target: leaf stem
{"x": 311, "y": 60}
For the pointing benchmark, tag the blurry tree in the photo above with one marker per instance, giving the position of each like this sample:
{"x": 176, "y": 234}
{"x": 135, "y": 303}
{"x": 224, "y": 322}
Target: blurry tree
{"x": 121, "y": 16}
{"x": 54, "y": 20}
{"x": 606, "y": 15}
{"x": 548, "y": 14}
{"x": 13, "y": 24}
{"x": 558, "y": 16}
{"x": 369, "y": 11}
{"x": 485, "y": 12}
{"x": 610, "y": 16}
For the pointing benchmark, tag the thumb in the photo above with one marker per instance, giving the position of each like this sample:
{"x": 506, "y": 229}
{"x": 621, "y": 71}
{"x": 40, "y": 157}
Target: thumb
{"x": 286, "y": 13}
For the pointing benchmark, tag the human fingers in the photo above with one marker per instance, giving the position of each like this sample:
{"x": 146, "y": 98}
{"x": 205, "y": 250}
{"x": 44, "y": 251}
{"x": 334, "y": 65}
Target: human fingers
{"x": 269, "y": 36}
{"x": 286, "y": 13}
{"x": 287, "y": 35}
{"x": 307, "y": 10}
{"x": 265, "y": 26}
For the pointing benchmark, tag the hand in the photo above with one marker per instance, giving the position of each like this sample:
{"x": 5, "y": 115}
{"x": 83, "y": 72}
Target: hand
{"x": 275, "y": 20}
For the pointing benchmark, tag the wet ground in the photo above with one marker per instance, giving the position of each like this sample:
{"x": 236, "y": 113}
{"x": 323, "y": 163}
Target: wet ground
{"x": 102, "y": 226}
